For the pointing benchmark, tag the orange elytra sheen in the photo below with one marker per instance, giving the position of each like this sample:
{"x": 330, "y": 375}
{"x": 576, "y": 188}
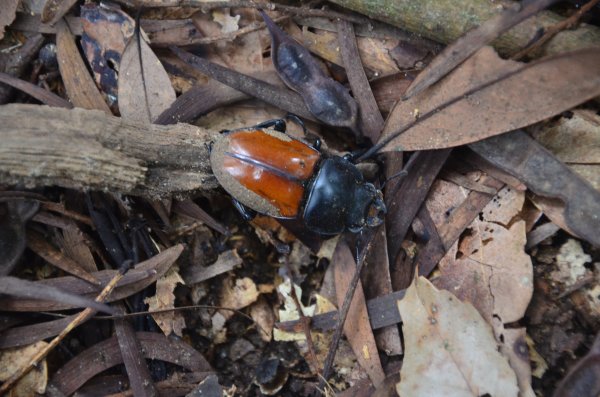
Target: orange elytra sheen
{"x": 293, "y": 158}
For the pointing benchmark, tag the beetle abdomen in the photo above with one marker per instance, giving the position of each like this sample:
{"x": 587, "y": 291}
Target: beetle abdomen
{"x": 265, "y": 170}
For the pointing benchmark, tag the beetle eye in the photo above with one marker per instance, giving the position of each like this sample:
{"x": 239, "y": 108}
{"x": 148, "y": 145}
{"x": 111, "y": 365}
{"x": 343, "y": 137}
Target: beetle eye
{"x": 376, "y": 212}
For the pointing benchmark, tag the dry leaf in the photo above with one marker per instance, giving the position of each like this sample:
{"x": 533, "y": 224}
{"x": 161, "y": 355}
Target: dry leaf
{"x": 143, "y": 96}
{"x": 80, "y": 86}
{"x": 575, "y": 140}
{"x": 106, "y": 31}
{"x": 169, "y": 322}
{"x": 237, "y": 296}
{"x": 8, "y": 12}
{"x": 13, "y": 359}
{"x": 530, "y": 93}
{"x": 228, "y": 23}
{"x": 489, "y": 268}
{"x": 449, "y": 348}
{"x": 570, "y": 261}
{"x": 374, "y": 53}
{"x": 289, "y": 311}
{"x": 262, "y": 313}
{"x": 515, "y": 349}
{"x": 356, "y": 327}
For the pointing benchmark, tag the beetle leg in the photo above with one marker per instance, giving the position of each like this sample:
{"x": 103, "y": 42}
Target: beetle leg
{"x": 297, "y": 120}
{"x": 352, "y": 156}
{"x": 311, "y": 138}
{"x": 247, "y": 213}
{"x": 277, "y": 124}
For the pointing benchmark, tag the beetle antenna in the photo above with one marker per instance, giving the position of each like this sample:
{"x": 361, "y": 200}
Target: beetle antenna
{"x": 400, "y": 175}
{"x": 381, "y": 144}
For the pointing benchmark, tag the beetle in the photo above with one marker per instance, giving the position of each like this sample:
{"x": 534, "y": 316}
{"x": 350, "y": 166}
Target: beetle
{"x": 266, "y": 171}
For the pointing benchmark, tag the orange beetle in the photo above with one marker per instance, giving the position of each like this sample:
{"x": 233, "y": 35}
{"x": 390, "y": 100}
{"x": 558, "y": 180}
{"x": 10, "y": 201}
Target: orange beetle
{"x": 268, "y": 172}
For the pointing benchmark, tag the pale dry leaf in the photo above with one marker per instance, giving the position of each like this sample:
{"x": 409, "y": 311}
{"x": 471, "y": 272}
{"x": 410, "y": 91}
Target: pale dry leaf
{"x": 173, "y": 321}
{"x": 570, "y": 262}
{"x": 35, "y": 381}
{"x": 143, "y": 99}
{"x": 262, "y": 313}
{"x": 228, "y": 22}
{"x": 515, "y": 349}
{"x": 449, "y": 349}
{"x": 237, "y": 294}
{"x": 289, "y": 311}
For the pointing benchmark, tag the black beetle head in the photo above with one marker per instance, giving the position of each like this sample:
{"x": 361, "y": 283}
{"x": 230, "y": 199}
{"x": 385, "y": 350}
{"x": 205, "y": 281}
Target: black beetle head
{"x": 376, "y": 211}
{"x": 369, "y": 209}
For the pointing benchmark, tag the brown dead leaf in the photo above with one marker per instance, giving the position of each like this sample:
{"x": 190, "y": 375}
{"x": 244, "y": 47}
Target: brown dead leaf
{"x": 13, "y": 359}
{"x": 80, "y": 86}
{"x": 143, "y": 94}
{"x": 465, "y": 46}
{"x": 357, "y": 327}
{"x": 575, "y": 140}
{"x": 169, "y": 322}
{"x": 449, "y": 349}
{"x": 459, "y": 110}
{"x": 373, "y": 52}
{"x": 8, "y": 12}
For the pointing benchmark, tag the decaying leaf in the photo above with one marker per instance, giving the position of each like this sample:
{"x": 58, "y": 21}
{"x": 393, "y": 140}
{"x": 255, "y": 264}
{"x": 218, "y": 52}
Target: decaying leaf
{"x": 327, "y": 100}
{"x": 262, "y": 313}
{"x": 490, "y": 269}
{"x": 143, "y": 95}
{"x": 80, "y": 86}
{"x": 289, "y": 311}
{"x": 13, "y": 217}
{"x": 106, "y": 32}
{"x": 169, "y": 322}
{"x": 356, "y": 327}
{"x": 473, "y": 40}
{"x": 570, "y": 262}
{"x": 575, "y": 140}
{"x": 521, "y": 156}
{"x": 228, "y": 23}
{"x": 7, "y": 14}
{"x": 450, "y": 350}
{"x": 514, "y": 95}
{"x": 13, "y": 359}
{"x": 237, "y": 294}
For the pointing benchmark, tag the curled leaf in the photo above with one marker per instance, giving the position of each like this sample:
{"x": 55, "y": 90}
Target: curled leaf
{"x": 327, "y": 100}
